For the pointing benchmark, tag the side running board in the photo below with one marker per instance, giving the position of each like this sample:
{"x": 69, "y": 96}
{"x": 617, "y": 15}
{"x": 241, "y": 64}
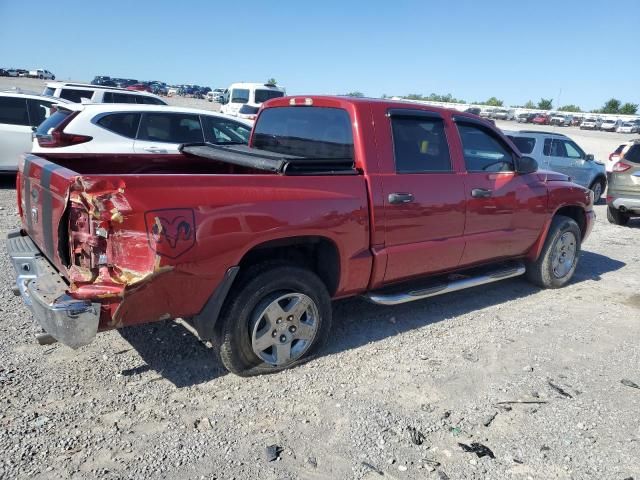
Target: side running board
{"x": 451, "y": 285}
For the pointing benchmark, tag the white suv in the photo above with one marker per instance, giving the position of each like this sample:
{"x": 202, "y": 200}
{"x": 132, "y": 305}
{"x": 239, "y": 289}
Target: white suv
{"x": 127, "y": 129}
{"x": 20, "y": 114}
{"x": 75, "y": 92}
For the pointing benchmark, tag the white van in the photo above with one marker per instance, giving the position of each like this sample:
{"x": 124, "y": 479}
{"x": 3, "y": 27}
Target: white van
{"x": 249, "y": 94}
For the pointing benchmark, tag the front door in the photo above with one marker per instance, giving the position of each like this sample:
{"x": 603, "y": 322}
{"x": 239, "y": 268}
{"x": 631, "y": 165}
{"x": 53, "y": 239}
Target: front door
{"x": 505, "y": 210}
{"x": 424, "y": 199}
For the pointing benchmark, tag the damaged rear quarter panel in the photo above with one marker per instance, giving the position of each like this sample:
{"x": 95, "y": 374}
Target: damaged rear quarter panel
{"x": 170, "y": 238}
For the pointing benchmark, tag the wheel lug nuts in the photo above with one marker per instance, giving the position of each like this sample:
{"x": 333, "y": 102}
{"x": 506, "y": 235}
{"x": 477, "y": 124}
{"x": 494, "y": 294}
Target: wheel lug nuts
{"x": 279, "y": 320}
{"x": 292, "y": 328}
{"x": 290, "y": 318}
{"x": 274, "y": 333}
{"x": 283, "y": 338}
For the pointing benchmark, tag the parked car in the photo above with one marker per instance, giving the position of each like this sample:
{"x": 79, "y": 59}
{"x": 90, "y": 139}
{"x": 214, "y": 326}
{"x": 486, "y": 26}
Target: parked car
{"x": 591, "y": 123}
{"x": 141, "y": 129}
{"x": 613, "y": 159}
{"x": 41, "y": 74}
{"x": 623, "y": 194}
{"x": 561, "y": 120}
{"x": 559, "y": 153}
{"x": 628, "y": 127}
{"x": 12, "y": 72}
{"x": 76, "y": 92}
{"x": 577, "y": 121}
{"x": 541, "y": 119}
{"x": 525, "y": 117}
{"x": 253, "y": 94}
{"x": 104, "y": 81}
{"x": 22, "y": 72}
{"x": 20, "y": 114}
{"x": 248, "y": 112}
{"x": 251, "y": 243}
{"x": 610, "y": 125}
{"x": 139, "y": 87}
{"x": 3, "y": 72}
{"x": 503, "y": 114}
{"x": 159, "y": 88}
{"x": 487, "y": 112}
{"x": 474, "y": 110}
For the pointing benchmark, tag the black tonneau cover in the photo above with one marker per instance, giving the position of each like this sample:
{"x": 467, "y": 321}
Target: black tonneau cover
{"x": 245, "y": 156}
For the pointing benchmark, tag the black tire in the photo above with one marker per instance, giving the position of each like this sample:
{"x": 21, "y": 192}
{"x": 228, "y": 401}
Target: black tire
{"x": 541, "y": 271}
{"x": 616, "y": 217}
{"x": 603, "y": 184}
{"x": 257, "y": 287}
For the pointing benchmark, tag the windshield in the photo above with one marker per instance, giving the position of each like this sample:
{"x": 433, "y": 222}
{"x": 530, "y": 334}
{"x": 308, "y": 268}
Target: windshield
{"x": 248, "y": 109}
{"x": 264, "y": 95}
{"x": 239, "y": 95}
{"x": 310, "y": 132}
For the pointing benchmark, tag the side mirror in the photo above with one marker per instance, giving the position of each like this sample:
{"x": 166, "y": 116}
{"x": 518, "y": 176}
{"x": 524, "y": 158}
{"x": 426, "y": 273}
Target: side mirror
{"x": 527, "y": 165}
{"x": 589, "y": 157}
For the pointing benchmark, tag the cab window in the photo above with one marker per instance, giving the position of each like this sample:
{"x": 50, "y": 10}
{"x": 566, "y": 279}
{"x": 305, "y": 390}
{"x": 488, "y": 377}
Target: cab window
{"x": 420, "y": 145}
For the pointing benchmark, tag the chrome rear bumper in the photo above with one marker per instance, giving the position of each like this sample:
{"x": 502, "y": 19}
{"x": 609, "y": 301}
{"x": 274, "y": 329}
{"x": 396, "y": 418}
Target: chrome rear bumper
{"x": 70, "y": 321}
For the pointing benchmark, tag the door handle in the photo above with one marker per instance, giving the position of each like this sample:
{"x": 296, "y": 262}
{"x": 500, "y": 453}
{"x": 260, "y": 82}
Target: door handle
{"x": 396, "y": 198}
{"x": 153, "y": 149}
{"x": 480, "y": 193}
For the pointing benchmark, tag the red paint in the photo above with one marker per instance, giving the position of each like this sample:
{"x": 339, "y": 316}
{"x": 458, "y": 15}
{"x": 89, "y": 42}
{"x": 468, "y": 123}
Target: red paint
{"x": 172, "y": 235}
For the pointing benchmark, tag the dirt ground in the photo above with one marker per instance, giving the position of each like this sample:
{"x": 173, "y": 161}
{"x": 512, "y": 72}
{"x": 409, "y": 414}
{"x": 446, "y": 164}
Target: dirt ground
{"x": 545, "y": 380}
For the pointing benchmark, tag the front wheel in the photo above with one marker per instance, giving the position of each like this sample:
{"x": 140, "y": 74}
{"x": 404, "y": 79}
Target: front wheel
{"x": 616, "y": 217}
{"x": 279, "y": 317}
{"x": 559, "y": 257}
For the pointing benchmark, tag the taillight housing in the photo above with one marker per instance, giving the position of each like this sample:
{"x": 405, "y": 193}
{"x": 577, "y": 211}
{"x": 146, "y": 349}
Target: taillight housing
{"x": 621, "y": 167}
{"x": 58, "y": 138}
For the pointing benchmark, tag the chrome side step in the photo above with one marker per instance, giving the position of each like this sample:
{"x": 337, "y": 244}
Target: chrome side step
{"x": 396, "y": 298}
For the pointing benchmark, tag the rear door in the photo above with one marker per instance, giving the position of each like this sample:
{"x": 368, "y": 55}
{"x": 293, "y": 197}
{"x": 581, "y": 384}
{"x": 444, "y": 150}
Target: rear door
{"x": 424, "y": 197}
{"x": 581, "y": 171}
{"x": 163, "y": 132}
{"x": 15, "y": 131}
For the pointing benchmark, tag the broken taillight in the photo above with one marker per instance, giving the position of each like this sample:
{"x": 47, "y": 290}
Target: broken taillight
{"x": 58, "y": 138}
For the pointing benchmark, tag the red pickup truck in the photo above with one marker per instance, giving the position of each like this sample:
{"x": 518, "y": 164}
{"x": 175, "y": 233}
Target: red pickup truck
{"x": 333, "y": 197}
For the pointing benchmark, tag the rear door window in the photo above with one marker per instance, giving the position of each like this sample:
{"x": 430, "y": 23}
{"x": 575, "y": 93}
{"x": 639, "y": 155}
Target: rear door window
{"x": 264, "y": 95}
{"x": 310, "y": 132}
{"x": 125, "y": 124}
{"x": 170, "y": 128}
{"x": 112, "y": 97}
{"x": 39, "y": 111}
{"x": 13, "y": 111}
{"x": 483, "y": 150}
{"x": 75, "y": 96}
{"x": 524, "y": 144}
{"x": 554, "y": 148}
{"x": 420, "y": 145}
{"x": 633, "y": 154}
{"x": 143, "y": 99}
{"x": 222, "y": 131}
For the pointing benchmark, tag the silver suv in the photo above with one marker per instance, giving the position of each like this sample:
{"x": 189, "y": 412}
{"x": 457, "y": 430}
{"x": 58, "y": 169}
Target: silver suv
{"x": 557, "y": 152}
{"x": 75, "y": 92}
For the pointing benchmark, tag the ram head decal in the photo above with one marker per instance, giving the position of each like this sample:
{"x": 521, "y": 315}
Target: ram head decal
{"x": 171, "y": 232}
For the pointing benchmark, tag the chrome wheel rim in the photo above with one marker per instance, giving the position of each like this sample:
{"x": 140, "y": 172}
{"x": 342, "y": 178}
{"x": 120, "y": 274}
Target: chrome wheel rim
{"x": 564, "y": 255}
{"x": 284, "y": 330}
{"x": 597, "y": 192}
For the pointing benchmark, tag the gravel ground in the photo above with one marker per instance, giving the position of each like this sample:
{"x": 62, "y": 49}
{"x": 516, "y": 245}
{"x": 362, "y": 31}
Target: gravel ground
{"x": 395, "y": 392}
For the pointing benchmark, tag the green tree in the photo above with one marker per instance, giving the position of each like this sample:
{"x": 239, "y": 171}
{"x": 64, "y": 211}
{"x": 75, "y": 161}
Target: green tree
{"x": 569, "y": 108}
{"x": 545, "y": 104}
{"x": 272, "y": 81}
{"x": 629, "y": 109}
{"x": 611, "y": 106}
{"x": 355, "y": 94}
{"x": 529, "y": 104}
{"x": 493, "y": 102}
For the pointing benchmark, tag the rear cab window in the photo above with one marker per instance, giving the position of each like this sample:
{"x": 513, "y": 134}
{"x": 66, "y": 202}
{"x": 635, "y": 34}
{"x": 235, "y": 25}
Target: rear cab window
{"x": 309, "y": 132}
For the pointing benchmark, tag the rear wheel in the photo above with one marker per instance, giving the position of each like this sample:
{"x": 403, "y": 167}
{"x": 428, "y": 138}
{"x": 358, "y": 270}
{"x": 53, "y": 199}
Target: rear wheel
{"x": 616, "y": 217}
{"x": 559, "y": 257}
{"x": 279, "y": 317}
